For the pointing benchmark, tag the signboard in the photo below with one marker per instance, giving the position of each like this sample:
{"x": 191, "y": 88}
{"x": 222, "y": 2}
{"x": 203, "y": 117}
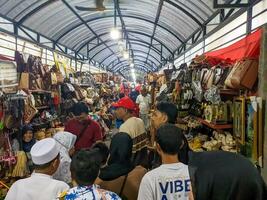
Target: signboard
{"x": 231, "y": 3}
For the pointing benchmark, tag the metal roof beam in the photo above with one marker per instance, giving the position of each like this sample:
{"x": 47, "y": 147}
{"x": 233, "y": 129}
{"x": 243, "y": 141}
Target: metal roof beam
{"x": 139, "y": 56}
{"x": 138, "y": 62}
{"x": 174, "y": 34}
{"x": 34, "y": 11}
{"x": 116, "y": 58}
{"x": 133, "y": 41}
{"x": 142, "y": 45}
{"x": 155, "y": 26}
{"x": 135, "y": 32}
{"x": 184, "y": 11}
{"x": 135, "y": 51}
{"x": 116, "y": 2}
{"x": 118, "y": 67}
{"x": 82, "y": 20}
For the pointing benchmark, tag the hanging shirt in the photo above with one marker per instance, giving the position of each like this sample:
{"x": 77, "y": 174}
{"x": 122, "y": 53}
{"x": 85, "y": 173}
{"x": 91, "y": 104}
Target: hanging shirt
{"x": 144, "y": 103}
{"x": 168, "y": 182}
{"x": 90, "y": 193}
{"x": 38, "y": 186}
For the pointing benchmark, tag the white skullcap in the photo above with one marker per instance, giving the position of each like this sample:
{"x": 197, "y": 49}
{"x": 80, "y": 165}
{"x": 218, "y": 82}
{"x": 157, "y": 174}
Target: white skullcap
{"x": 44, "y": 151}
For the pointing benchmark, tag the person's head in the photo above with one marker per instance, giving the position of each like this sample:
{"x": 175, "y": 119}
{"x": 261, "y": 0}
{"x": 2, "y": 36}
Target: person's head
{"x": 65, "y": 142}
{"x": 124, "y": 108}
{"x": 45, "y": 156}
{"x": 165, "y": 113}
{"x": 50, "y": 132}
{"x": 85, "y": 167}
{"x": 80, "y": 111}
{"x": 27, "y": 133}
{"x": 121, "y": 95}
{"x": 144, "y": 91}
{"x": 121, "y": 149}
{"x": 103, "y": 150}
{"x": 171, "y": 141}
{"x": 39, "y": 135}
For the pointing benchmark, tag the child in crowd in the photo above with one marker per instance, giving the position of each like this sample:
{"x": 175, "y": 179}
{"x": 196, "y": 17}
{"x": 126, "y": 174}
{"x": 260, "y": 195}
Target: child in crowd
{"x": 84, "y": 170}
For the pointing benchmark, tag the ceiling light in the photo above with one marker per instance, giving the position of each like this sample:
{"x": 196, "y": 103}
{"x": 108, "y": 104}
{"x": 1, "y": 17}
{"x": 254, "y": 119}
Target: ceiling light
{"x": 132, "y": 70}
{"x": 121, "y": 48}
{"x": 131, "y": 65}
{"x": 126, "y": 55}
{"x": 115, "y": 34}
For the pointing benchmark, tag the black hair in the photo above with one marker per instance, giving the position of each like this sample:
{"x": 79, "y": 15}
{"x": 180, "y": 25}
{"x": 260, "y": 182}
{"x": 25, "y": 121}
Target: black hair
{"x": 169, "y": 109}
{"x": 121, "y": 149}
{"x": 121, "y": 95}
{"x": 46, "y": 165}
{"x": 172, "y": 141}
{"x": 26, "y": 128}
{"x": 85, "y": 167}
{"x": 103, "y": 151}
{"x": 80, "y": 108}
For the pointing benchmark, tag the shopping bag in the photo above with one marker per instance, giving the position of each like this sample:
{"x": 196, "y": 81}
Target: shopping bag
{"x": 24, "y": 80}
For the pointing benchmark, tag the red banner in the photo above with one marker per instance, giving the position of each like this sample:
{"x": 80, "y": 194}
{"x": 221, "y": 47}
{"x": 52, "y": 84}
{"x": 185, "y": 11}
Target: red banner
{"x": 248, "y": 47}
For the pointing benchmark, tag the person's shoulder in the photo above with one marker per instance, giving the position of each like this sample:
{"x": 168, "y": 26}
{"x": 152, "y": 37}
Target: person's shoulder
{"x": 71, "y": 121}
{"x": 138, "y": 171}
{"x": 60, "y": 184}
{"x": 139, "y": 168}
{"x": 109, "y": 195}
{"x": 152, "y": 174}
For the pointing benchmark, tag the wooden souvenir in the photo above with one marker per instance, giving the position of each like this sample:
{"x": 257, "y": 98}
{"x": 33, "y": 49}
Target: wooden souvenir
{"x": 239, "y": 119}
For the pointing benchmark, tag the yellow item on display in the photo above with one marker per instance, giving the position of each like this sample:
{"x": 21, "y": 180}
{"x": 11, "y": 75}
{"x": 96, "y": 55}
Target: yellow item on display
{"x": 1, "y": 183}
{"x": 20, "y": 169}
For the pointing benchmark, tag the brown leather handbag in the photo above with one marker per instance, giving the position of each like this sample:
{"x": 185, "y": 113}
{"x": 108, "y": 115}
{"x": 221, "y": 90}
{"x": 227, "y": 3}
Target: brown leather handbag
{"x": 228, "y": 81}
{"x": 246, "y": 73}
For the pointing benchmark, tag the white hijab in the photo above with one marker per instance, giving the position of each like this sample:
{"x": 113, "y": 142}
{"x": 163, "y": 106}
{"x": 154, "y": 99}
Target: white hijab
{"x": 65, "y": 141}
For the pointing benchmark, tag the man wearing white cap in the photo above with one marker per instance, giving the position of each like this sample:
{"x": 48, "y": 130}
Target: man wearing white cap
{"x": 41, "y": 186}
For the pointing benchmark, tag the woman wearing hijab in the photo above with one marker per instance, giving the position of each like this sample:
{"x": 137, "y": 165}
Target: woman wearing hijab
{"x": 65, "y": 143}
{"x": 27, "y": 138}
{"x": 120, "y": 175}
{"x": 28, "y": 141}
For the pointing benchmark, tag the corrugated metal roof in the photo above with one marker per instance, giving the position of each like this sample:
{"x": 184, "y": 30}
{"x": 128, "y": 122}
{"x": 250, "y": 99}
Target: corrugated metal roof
{"x": 154, "y": 30}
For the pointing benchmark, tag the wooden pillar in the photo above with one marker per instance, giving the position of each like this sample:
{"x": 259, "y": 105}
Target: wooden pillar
{"x": 263, "y": 94}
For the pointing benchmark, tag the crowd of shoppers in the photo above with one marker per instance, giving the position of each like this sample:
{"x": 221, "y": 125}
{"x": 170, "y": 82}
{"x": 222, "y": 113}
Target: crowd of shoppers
{"x": 76, "y": 164}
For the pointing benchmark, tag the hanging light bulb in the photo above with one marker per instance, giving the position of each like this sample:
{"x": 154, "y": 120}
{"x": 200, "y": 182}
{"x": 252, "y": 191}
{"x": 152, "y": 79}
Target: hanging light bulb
{"x": 121, "y": 48}
{"x": 131, "y": 65}
{"x": 126, "y": 55}
{"x": 115, "y": 34}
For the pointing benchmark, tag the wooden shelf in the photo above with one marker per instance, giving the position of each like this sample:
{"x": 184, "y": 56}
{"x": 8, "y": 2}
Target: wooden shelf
{"x": 229, "y": 92}
{"x": 215, "y": 126}
{"x": 41, "y": 107}
{"x": 40, "y": 91}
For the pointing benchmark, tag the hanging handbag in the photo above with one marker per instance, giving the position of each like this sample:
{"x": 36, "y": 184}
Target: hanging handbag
{"x": 21, "y": 64}
{"x": 168, "y": 74}
{"x": 53, "y": 78}
{"x": 8, "y": 77}
{"x": 228, "y": 81}
{"x": 24, "y": 80}
{"x": 60, "y": 78}
{"x": 245, "y": 75}
{"x": 29, "y": 111}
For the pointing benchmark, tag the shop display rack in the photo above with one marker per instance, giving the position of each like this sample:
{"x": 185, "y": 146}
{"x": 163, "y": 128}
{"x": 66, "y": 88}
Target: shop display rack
{"x": 215, "y": 126}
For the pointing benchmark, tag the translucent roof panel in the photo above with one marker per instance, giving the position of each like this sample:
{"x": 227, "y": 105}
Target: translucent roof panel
{"x": 151, "y": 26}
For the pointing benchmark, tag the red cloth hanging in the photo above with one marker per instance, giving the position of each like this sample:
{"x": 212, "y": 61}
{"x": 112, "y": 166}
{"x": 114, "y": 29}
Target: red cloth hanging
{"x": 248, "y": 47}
